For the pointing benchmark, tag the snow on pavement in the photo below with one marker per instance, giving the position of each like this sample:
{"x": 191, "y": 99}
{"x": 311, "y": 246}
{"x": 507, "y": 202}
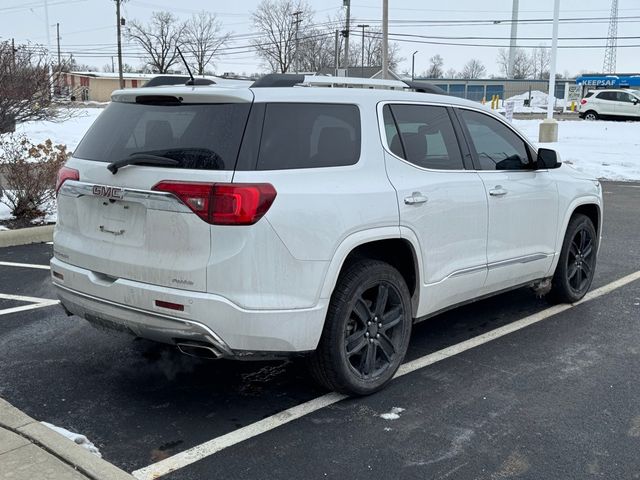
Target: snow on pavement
{"x": 78, "y": 439}
{"x": 394, "y": 414}
{"x": 600, "y": 149}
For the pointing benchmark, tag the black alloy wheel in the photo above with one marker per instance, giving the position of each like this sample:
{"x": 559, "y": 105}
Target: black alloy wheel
{"x": 373, "y": 333}
{"x": 577, "y": 263}
{"x": 367, "y": 329}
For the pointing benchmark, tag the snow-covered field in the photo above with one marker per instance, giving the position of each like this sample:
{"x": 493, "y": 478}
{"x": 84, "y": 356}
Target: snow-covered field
{"x": 68, "y": 132}
{"x": 605, "y": 150}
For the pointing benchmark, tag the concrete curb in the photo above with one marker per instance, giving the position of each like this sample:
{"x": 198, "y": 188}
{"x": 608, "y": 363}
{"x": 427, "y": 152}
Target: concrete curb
{"x": 60, "y": 447}
{"x": 25, "y": 236}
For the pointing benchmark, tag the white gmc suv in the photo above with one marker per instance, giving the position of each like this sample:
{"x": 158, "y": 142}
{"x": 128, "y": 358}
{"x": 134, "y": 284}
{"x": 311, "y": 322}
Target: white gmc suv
{"x": 268, "y": 221}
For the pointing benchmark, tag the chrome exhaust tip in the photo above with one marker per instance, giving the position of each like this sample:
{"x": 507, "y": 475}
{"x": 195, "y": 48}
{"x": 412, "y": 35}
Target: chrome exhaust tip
{"x": 199, "y": 350}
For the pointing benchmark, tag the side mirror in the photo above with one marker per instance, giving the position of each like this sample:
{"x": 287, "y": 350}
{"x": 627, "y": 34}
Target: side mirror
{"x": 548, "y": 158}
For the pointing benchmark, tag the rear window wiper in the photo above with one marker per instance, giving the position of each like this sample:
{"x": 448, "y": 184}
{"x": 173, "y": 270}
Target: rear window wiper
{"x": 141, "y": 159}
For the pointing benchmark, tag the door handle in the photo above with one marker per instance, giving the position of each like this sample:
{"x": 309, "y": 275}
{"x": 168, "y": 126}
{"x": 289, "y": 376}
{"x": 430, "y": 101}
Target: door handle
{"x": 497, "y": 191}
{"x": 415, "y": 198}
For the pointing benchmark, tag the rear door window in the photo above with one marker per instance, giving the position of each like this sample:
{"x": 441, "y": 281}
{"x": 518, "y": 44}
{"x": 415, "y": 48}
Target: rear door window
{"x": 198, "y": 136}
{"x": 309, "y": 135}
{"x": 423, "y": 135}
{"x": 609, "y": 96}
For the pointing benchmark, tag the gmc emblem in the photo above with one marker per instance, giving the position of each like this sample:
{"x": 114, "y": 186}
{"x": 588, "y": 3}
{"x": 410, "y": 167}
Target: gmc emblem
{"x": 109, "y": 192}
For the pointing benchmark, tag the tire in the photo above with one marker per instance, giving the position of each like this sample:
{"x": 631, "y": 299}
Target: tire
{"x": 591, "y": 115}
{"x": 367, "y": 329}
{"x": 576, "y": 266}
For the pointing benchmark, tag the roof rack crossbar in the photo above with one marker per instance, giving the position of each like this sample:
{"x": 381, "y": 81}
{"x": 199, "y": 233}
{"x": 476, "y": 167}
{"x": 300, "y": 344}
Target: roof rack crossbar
{"x": 291, "y": 80}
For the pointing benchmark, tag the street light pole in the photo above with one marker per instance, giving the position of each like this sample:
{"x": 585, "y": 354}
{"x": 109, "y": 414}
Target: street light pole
{"x": 554, "y": 56}
{"x": 549, "y": 127}
{"x": 413, "y": 65}
{"x": 362, "y": 64}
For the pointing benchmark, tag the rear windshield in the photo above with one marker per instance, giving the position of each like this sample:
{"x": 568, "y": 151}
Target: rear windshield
{"x": 589, "y": 94}
{"x": 205, "y": 137}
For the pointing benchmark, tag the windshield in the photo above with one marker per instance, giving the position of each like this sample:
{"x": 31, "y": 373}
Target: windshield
{"x": 197, "y": 136}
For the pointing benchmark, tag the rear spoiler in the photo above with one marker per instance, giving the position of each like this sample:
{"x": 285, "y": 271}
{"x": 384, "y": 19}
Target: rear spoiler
{"x": 176, "y": 80}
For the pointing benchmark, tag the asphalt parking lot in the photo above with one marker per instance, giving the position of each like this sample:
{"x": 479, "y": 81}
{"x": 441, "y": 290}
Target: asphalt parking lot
{"x": 558, "y": 399}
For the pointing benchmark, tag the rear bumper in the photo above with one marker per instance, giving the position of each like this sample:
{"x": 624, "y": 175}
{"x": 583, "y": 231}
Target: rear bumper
{"x": 231, "y": 331}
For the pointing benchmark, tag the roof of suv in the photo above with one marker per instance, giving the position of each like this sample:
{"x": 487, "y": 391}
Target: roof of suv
{"x": 214, "y": 93}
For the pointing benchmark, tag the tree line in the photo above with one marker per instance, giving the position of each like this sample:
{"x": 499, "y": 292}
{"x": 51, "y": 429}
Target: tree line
{"x": 283, "y": 40}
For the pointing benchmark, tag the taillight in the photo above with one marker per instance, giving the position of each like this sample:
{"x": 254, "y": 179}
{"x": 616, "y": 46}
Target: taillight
{"x": 223, "y": 203}
{"x": 64, "y": 174}
{"x": 583, "y": 101}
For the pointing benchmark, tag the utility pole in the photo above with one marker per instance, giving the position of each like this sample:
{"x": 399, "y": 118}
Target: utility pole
{"x": 13, "y": 52}
{"x": 385, "y": 39}
{"x": 337, "y": 52}
{"x": 362, "y": 64}
{"x": 50, "y": 70}
{"x": 119, "y": 43}
{"x": 296, "y": 22}
{"x": 345, "y": 32}
{"x": 113, "y": 66}
{"x": 58, "y": 38}
{"x": 514, "y": 38}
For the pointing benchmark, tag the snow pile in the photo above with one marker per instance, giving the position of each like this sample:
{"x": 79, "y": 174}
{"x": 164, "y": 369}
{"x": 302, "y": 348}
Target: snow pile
{"x": 538, "y": 99}
{"x": 604, "y": 150}
{"x": 68, "y": 132}
{"x": 394, "y": 414}
{"x": 5, "y": 212}
{"x": 76, "y": 438}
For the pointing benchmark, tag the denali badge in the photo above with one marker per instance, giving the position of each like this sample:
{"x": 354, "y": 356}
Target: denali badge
{"x": 109, "y": 192}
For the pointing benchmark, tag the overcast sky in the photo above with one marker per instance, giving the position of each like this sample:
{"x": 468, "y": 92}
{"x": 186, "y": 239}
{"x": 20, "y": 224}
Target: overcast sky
{"x": 88, "y": 26}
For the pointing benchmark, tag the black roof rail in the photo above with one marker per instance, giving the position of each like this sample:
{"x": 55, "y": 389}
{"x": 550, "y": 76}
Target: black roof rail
{"x": 424, "y": 87}
{"x": 177, "y": 80}
{"x": 278, "y": 80}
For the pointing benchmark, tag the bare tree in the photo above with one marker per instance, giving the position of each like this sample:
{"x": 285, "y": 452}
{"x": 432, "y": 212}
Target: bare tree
{"x": 203, "y": 39}
{"x": 273, "y": 20}
{"x": 473, "y": 69}
{"x": 435, "y": 69}
{"x": 540, "y": 59}
{"x": 158, "y": 39}
{"x": 316, "y": 51}
{"x": 26, "y": 83}
{"x": 522, "y": 67}
{"x": 373, "y": 50}
{"x": 451, "y": 73}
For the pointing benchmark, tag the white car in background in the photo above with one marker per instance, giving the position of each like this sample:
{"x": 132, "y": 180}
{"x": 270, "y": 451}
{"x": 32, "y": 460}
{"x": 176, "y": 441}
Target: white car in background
{"x": 292, "y": 220}
{"x": 610, "y": 103}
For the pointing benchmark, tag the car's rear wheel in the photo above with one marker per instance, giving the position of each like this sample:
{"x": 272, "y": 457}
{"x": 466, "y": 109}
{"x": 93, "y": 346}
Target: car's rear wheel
{"x": 577, "y": 263}
{"x": 591, "y": 115}
{"x": 367, "y": 330}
